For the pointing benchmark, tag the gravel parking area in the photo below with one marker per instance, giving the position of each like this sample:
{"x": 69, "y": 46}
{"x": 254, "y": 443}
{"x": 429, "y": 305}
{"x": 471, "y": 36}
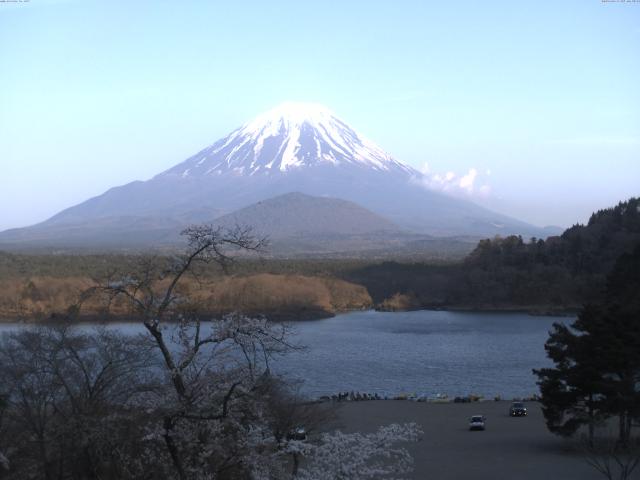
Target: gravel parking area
{"x": 514, "y": 448}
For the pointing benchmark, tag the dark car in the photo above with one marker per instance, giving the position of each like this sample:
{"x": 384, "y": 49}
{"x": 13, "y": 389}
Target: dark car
{"x": 298, "y": 433}
{"x": 517, "y": 409}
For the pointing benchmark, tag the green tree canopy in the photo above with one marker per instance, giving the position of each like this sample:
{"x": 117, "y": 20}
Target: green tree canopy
{"x": 597, "y": 359}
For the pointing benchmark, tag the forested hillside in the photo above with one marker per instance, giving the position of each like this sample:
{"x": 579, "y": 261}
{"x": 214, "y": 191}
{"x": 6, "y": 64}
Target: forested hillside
{"x": 559, "y": 273}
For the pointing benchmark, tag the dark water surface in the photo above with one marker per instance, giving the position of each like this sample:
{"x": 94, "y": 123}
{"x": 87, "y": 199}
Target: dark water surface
{"x": 422, "y": 352}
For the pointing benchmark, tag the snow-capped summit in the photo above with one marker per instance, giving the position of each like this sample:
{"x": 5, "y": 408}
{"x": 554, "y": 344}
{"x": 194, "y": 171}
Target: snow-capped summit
{"x": 296, "y": 147}
{"x": 286, "y": 138}
{"x": 291, "y": 113}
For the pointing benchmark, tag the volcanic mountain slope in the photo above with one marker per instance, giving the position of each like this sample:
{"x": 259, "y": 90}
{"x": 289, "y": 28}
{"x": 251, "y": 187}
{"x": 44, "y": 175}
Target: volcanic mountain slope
{"x": 294, "y": 147}
{"x": 293, "y": 221}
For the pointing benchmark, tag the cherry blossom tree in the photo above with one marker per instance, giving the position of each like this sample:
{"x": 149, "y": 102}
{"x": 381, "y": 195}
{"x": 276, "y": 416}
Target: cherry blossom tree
{"x": 357, "y": 456}
{"x": 217, "y": 371}
{"x": 191, "y": 398}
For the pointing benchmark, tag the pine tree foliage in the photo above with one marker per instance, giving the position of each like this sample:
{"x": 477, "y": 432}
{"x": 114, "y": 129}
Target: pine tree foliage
{"x": 597, "y": 359}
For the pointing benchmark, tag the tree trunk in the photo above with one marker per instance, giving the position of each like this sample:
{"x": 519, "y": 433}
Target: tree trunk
{"x": 46, "y": 465}
{"x": 176, "y": 377}
{"x": 296, "y": 465}
{"x": 591, "y": 420}
{"x": 624, "y": 429}
{"x": 173, "y": 450}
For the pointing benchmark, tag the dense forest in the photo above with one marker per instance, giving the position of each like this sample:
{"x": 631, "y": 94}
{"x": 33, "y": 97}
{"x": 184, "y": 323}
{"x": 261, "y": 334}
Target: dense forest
{"x": 554, "y": 275}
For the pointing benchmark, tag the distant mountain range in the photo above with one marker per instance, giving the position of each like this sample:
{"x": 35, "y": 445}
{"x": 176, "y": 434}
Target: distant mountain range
{"x": 245, "y": 178}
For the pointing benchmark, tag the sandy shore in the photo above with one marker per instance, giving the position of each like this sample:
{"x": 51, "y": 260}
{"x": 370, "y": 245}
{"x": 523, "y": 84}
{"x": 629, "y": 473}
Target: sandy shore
{"x": 513, "y": 448}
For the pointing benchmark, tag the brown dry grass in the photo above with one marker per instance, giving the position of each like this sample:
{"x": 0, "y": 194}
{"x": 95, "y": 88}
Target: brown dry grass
{"x": 39, "y": 297}
{"x": 270, "y": 293}
{"x": 275, "y": 295}
{"x": 399, "y": 302}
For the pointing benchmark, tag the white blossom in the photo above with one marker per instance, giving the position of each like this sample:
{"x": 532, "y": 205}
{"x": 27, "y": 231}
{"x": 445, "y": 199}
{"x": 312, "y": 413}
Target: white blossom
{"x": 356, "y": 456}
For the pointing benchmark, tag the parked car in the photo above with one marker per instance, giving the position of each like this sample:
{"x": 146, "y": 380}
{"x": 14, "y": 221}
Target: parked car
{"x": 298, "y": 433}
{"x": 477, "y": 422}
{"x": 518, "y": 409}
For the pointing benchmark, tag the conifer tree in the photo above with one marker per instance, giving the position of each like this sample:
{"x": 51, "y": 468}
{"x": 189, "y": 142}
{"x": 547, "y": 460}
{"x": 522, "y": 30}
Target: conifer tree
{"x": 597, "y": 359}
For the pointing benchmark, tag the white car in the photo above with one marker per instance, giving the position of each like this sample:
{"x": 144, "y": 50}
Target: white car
{"x": 477, "y": 422}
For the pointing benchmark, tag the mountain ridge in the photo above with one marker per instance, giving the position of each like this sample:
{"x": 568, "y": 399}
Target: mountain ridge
{"x": 295, "y": 147}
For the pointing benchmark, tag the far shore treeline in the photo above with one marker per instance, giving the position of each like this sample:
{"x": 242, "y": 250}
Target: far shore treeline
{"x": 551, "y": 276}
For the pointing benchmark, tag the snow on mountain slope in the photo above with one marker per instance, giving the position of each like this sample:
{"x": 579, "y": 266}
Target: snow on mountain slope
{"x": 296, "y": 147}
{"x": 291, "y": 136}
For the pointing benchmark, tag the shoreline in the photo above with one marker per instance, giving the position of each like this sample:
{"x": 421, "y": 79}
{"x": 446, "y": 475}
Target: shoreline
{"x": 116, "y": 319}
{"x": 303, "y": 315}
{"x": 533, "y": 310}
{"x": 440, "y": 398}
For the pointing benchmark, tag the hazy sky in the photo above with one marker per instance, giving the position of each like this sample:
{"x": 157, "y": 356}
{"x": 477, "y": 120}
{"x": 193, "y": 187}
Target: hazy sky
{"x": 541, "y": 99}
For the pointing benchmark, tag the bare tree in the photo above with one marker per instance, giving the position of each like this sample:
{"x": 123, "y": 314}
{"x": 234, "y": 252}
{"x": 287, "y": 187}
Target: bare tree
{"x": 65, "y": 392}
{"x": 190, "y": 398}
{"x": 612, "y": 459}
{"x": 218, "y": 370}
{"x": 153, "y": 296}
{"x": 4, "y": 461}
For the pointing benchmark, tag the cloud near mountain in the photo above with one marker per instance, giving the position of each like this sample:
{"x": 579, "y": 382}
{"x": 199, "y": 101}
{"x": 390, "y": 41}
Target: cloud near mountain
{"x": 472, "y": 184}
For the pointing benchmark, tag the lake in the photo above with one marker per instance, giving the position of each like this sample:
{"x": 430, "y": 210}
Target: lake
{"x": 421, "y": 352}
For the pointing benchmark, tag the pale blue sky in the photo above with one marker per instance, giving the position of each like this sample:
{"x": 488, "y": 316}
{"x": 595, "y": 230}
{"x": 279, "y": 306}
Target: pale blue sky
{"x": 541, "y": 98}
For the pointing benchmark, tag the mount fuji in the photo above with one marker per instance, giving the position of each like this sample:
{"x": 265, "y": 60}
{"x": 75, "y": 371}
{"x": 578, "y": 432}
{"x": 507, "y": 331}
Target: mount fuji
{"x": 296, "y": 147}
{"x": 291, "y": 137}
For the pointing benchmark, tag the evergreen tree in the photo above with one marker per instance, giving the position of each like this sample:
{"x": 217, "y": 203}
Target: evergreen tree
{"x": 597, "y": 359}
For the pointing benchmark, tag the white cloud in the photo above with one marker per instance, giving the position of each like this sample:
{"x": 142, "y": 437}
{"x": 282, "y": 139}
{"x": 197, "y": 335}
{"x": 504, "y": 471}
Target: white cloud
{"x": 468, "y": 185}
{"x": 467, "y": 181}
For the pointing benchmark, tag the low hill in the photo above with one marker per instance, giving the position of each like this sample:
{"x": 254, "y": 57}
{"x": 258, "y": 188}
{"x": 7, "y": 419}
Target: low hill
{"x": 299, "y": 215}
{"x": 301, "y": 226}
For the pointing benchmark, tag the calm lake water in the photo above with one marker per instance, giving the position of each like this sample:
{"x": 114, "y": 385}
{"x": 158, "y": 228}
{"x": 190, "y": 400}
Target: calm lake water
{"x": 422, "y": 352}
